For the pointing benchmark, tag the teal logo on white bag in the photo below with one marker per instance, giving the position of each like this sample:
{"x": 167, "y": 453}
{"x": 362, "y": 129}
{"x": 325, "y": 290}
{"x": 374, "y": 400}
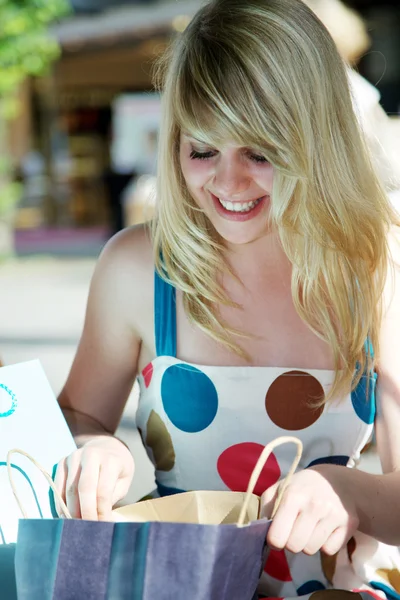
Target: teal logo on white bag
{"x": 7, "y": 397}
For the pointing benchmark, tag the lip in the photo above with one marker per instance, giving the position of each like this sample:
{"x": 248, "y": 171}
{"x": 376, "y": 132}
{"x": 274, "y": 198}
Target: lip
{"x": 232, "y": 216}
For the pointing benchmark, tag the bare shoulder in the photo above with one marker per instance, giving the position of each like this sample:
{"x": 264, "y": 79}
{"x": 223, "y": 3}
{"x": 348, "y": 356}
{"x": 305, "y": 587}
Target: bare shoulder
{"x": 129, "y": 249}
{"x": 124, "y": 273}
{"x": 390, "y": 327}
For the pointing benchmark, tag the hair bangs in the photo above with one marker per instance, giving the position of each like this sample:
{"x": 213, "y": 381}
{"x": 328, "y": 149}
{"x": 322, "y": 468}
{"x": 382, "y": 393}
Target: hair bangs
{"x": 209, "y": 104}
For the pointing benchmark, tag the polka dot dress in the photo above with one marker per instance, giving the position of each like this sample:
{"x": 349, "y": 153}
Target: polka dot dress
{"x": 204, "y": 428}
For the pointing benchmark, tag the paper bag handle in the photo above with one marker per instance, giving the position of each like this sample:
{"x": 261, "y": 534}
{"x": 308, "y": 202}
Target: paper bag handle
{"x": 250, "y": 488}
{"x": 49, "y": 480}
{"x": 259, "y": 467}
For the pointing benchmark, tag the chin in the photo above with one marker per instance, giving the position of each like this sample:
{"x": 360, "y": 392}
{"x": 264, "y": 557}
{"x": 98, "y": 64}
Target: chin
{"x": 240, "y": 238}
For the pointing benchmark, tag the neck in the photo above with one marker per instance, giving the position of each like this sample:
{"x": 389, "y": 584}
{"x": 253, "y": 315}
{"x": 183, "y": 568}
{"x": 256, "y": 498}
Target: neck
{"x": 262, "y": 256}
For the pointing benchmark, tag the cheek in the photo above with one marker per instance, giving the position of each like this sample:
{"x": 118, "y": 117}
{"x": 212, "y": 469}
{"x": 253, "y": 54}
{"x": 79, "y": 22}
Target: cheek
{"x": 195, "y": 172}
{"x": 265, "y": 179}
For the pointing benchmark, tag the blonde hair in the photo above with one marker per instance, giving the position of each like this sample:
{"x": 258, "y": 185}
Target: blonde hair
{"x": 267, "y": 74}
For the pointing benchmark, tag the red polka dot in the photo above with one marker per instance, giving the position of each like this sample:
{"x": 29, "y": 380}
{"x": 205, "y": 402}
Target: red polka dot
{"x": 236, "y": 464}
{"x": 277, "y": 565}
{"x": 147, "y": 374}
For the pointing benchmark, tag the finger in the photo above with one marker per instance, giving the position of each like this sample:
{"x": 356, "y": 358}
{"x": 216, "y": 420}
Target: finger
{"x": 267, "y": 501}
{"x": 319, "y": 537}
{"x": 60, "y": 481}
{"x": 108, "y": 478}
{"x": 121, "y": 489}
{"x": 336, "y": 541}
{"x": 304, "y": 530}
{"x": 71, "y": 485}
{"x": 88, "y": 485}
{"x": 282, "y": 524}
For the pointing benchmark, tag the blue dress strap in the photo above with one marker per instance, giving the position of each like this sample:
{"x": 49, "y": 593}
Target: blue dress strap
{"x": 164, "y": 316}
{"x": 369, "y": 349}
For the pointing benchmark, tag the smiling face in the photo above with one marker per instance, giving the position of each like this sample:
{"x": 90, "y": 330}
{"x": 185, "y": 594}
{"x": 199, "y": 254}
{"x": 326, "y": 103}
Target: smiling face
{"x": 231, "y": 184}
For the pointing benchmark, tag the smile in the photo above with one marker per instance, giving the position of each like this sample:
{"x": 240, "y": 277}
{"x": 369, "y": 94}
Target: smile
{"x": 238, "y": 211}
{"x": 241, "y": 207}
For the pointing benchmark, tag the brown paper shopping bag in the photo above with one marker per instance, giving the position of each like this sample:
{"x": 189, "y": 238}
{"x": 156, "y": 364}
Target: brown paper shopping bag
{"x": 210, "y": 507}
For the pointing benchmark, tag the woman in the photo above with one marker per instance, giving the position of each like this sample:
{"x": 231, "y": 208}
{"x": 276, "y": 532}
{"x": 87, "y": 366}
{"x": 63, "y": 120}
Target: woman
{"x": 273, "y": 306}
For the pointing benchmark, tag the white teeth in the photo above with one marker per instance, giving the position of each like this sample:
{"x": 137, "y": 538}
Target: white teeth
{"x": 239, "y": 206}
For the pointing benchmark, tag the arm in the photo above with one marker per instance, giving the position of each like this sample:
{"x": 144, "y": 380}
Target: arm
{"x": 104, "y": 367}
{"x": 379, "y": 494}
{"x": 99, "y": 473}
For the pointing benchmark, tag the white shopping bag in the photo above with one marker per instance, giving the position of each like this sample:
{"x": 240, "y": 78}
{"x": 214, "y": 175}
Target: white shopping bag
{"x": 30, "y": 419}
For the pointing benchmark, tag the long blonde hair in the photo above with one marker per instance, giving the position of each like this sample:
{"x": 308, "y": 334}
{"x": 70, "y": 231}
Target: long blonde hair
{"x": 267, "y": 74}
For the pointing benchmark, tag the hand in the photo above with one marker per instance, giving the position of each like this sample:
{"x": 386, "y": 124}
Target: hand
{"x": 317, "y": 511}
{"x": 94, "y": 477}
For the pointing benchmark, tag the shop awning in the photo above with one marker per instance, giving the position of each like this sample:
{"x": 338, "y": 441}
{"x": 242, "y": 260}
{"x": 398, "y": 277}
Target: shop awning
{"x": 121, "y": 23}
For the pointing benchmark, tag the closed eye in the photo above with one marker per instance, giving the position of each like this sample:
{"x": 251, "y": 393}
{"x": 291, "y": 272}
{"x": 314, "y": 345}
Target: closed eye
{"x": 201, "y": 155}
{"x": 258, "y": 158}
{"x": 195, "y": 155}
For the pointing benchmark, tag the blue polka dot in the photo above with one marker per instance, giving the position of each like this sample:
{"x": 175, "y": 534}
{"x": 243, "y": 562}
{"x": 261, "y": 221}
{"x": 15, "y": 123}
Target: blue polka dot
{"x": 330, "y": 460}
{"x": 364, "y": 404}
{"x": 189, "y": 397}
{"x": 309, "y": 587}
{"x": 389, "y": 591}
{"x": 165, "y": 490}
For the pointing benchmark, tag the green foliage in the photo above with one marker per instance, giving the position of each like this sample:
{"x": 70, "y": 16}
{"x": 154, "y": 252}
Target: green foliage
{"x": 26, "y": 49}
{"x": 25, "y": 45}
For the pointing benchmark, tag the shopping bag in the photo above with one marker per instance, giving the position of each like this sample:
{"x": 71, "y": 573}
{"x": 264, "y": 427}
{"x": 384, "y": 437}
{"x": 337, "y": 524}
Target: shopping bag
{"x": 30, "y": 417}
{"x": 149, "y": 558}
{"x": 8, "y": 588}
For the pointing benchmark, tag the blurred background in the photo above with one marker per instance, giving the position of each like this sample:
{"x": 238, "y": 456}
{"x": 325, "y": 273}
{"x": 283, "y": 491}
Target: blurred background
{"x": 78, "y": 137}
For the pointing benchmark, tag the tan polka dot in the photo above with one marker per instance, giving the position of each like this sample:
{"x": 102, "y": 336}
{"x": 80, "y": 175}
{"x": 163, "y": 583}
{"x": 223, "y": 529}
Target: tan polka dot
{"x": 159, "y": 440}
{"x": 367, "y": 447}
{"x": 392, "y": 576}
{"x": 141, "y": 434}
{"x": 351, "y": 547}
{"x": 148, "y": 497}
{"x": 328, "y": 564}
{"x": 335, "y": 595}
{"x": 291, "y": 399}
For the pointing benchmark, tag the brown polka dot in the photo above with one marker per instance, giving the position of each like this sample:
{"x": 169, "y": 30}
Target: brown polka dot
{"x": 335, "y": 595}
{"x": 392, "y": 576}
{"x": 328, "y": 564}
{"x": 351, "y": 546}
{"x": 159, "y": 440}
{"x": 291, "y": 398}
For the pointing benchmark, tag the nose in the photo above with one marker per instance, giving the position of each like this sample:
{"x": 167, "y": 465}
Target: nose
{"x": 230, "y": 178}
